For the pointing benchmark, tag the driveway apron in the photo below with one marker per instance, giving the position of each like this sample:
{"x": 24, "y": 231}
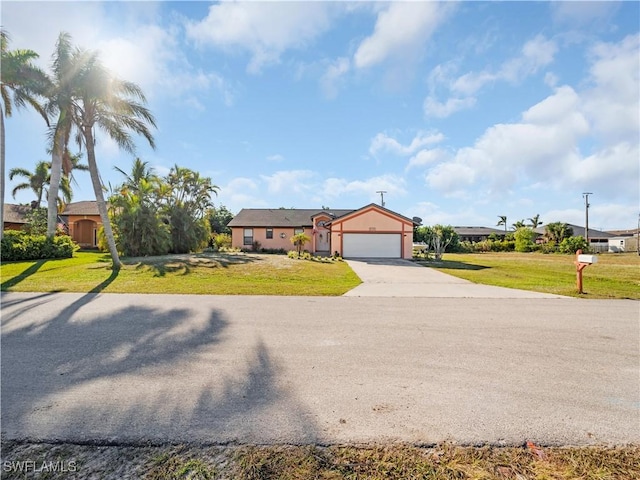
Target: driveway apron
{"x": 403, "y": 278}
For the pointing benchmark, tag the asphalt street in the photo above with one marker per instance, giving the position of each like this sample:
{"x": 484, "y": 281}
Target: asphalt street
{"x": 219, "y": 369}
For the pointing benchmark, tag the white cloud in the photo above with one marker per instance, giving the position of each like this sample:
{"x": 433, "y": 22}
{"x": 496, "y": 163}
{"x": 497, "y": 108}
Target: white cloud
{"x": 332, "y": 79}
{"x": 400, "y": 28}
{"x": 582, "y": 13}
{"x": 392, "y": 184}
{"x": 275, "y": 158}
{"x": 535, "y": 54}
{"x": 428, "y": 157}
{"x": 613, "y": 100}
{"x": 434, "y": 108}
{"x": 264, "y": 29}
{"x": 289, "y": 181}
{"x": 384, "y": 143}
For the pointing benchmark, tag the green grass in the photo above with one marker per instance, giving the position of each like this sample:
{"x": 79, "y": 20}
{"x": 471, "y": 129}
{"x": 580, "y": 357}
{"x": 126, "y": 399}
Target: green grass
{"x": 613, "y": 276}
{"x": 215, "y": 274}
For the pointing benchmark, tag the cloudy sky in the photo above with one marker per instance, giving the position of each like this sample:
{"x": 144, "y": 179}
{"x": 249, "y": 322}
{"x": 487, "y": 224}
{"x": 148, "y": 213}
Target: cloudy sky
{"x": 460, "y": 111}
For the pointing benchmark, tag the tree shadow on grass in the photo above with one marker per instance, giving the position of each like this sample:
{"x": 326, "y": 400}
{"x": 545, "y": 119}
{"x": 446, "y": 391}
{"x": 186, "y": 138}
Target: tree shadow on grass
{"x": 184, "y": 264}
{"x": 13, "y": 281}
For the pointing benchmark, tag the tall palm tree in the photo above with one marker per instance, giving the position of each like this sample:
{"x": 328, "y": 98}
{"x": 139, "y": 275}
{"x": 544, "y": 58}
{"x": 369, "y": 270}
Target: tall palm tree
{"x": 503, "y": 221}
{"x": 21, "y": 82}
{"x": 535, "y": 222}
{"x": 117, "y": 108}
{"x": 38, "y": 181}
{"x": 66, "y": 68}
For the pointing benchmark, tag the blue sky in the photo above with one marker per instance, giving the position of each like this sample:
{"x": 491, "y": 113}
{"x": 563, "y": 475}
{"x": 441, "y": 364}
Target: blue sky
{"x": 460, "y": 111}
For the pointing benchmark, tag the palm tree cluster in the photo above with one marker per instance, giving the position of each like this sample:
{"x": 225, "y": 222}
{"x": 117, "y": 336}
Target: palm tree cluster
{"x": 155, "y": 215}
{"x": 82, "y": 96}
{"x": 534, "y": 222}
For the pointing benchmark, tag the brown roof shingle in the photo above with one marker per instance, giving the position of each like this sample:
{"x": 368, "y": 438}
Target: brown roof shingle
{"x": 88, "y": 207}
{"x": 279, "y": 217}
{"x": 13, "y": 213}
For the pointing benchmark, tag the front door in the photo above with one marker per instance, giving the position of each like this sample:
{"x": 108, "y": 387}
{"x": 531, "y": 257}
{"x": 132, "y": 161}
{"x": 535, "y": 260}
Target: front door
{"x": 322, "y": 240}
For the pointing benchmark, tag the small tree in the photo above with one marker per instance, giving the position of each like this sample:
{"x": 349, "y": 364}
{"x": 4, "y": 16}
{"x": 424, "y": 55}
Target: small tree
{"x": 573, "y": 244}
{"x": 219, "y": 218}
{"x": 299, "y": 241}
{"x": 524, "y": 239}
{"x": 441, "y": 237}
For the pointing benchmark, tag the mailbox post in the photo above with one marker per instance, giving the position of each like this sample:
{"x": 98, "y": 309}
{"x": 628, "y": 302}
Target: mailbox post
{"x": 581, "y": 262}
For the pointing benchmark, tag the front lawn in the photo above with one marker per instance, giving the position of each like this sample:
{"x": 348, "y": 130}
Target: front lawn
{"x": 214, "y": 274}
{"x": 614, "y": 276}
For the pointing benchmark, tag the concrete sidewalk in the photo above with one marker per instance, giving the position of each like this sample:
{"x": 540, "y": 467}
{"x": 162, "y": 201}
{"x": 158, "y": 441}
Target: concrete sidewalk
{"x": 403, "y": 278}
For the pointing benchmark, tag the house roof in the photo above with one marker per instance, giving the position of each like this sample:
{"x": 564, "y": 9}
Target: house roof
{"x": 349, "y": 212}
{"x": 578, "y": 230}
{"x": 477, "y": 231}
{"x": 13, "y": 213}
{"x": 89, "y": 207}
{"x": 280, "y": 217}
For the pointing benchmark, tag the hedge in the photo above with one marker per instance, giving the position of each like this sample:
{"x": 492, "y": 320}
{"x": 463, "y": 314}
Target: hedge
{"x": 18, "y": 246}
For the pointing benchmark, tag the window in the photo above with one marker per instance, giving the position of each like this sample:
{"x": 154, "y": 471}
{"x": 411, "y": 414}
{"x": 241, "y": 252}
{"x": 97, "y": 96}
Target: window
{"x": 248, "y": 236}
{"x": 269, "y": 233}
{"x": 296, "y": 231}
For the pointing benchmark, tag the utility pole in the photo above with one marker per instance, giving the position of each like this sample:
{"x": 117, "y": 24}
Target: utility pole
{"x": 381, "y": 192}
{"x": 586, "y": 216}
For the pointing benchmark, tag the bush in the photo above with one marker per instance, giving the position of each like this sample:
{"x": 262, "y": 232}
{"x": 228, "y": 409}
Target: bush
{"x": 221, "y": 240}
{"x": 573, "y": 244}
{"x": 524, "y": 240}
{"x": 273, "y": 251}
{"x": 19, "y": 246}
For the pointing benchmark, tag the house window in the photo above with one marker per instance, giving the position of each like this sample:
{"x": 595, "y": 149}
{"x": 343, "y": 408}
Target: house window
{"x": 269, "y": 233}
{"x": 296, "y": 231}
{"x": 248, "y": 236}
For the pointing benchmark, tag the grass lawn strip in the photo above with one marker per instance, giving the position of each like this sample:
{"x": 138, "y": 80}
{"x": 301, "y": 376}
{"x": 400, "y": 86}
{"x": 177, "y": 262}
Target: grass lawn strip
{"x": 614, "y": 276}
{"x": 383, "y": 462}
{"x": 214, "y": 274}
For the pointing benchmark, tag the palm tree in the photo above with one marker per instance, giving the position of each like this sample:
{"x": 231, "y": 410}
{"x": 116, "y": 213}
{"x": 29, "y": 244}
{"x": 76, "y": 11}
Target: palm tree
{"x": 140, "y": 172}
{"x": 519, "y": 224}
{"x": 21, "y": 83}
{"x": 117, "y": 108}
{"x": 503, "y": 221}
{"x": 67, "y": 66}
{"x": 535, "y": 222}
{"x": 38, "y": 181}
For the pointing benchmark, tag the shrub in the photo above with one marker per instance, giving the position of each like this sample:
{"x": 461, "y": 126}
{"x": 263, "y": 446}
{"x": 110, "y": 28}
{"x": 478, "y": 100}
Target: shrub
{"x": 19, "y": 246}
{"x": 221, "y": 240}
{"x": 573, "y": 244}
{"x": 524, "y": 239}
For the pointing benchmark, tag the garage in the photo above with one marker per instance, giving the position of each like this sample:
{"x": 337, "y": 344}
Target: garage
{"x": 372, "y": 245}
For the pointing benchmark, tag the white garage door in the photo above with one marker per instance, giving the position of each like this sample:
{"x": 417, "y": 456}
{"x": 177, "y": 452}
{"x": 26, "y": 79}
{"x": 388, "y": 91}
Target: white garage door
{"x": 371, "y": 245}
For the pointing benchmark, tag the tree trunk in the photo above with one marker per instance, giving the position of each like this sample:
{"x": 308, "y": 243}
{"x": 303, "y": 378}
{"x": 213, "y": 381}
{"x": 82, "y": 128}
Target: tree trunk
{"x": 56, "y": 175}
{"x": 2, "y": 136}
{"x": 102, "y": 205}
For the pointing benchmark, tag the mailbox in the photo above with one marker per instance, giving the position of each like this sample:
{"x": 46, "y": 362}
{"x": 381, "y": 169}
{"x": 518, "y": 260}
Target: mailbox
{"x": 587, "y": 259}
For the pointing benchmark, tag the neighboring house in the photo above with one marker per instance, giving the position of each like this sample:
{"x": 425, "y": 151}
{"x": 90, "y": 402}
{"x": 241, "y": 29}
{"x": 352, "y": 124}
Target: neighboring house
{"x": 83, "y": 221}
{"x": 477, "y": 234}
{"x": 623, "y": 244}
{"x": 598, "y": 241}
{"x": 15, "y": 216}
{"x": 369, "y": 232}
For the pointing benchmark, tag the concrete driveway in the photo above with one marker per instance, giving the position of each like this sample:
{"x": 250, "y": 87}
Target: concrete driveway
{"x": 403, "y": 278}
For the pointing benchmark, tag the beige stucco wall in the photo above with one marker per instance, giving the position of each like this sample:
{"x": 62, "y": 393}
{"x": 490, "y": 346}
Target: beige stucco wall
{"x": 260, "y": 235}
{"x": 75, "y": 235}
{"x": 373, "y": 221}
